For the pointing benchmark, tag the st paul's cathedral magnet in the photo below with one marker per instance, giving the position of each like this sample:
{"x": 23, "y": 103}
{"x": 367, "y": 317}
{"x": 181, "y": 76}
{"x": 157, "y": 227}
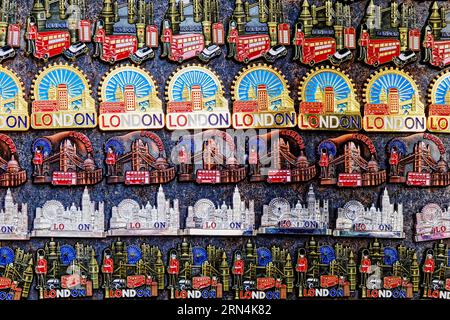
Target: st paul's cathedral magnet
{"x": 192, "y": 28}
{"x": 261, "y": 99}
{"x": 65, "y": 159}
{"x": 439, "y": 103}
{"x": 392, "y": 103}
{"x": 61, "y": 96}
{"x": 437, "y": 36}
{"x": 16, "y": 273}
{"x": 324, "y": 33}
{"x": 12, "y": 174}
{"x": 195, "y": 100}
{"x": 129, "y": 100}
{"x": 328, "y": 101}
{"x": 13, "y": 106}
{"x": 137, "y": 158}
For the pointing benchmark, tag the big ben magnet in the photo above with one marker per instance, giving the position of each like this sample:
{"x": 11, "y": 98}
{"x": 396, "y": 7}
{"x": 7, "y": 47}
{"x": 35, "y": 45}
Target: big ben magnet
{"x": 16, "y": 273}
{"x": 195, "y": 100}
{"x": 61, "y": 99}
{"x": 261, "y": 99}
{"x": 392, "y": 103}
{"x": 437, "y": 36}
{"x": 328, "y": 101}
{"x": 436, "y": 271}
{"x": 439, "y": 103}
{"x": 129, "y": 100}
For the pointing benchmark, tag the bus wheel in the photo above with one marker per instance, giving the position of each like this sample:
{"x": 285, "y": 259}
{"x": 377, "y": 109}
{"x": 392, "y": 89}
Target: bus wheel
{"x": 246, "y": 60}
{"x": 312, "y": 62}
{"x": 46, "y": 57}
{"x": 376, "y": 64}
{"x": 112, "y": 60}
{"x": 180, "y": 59}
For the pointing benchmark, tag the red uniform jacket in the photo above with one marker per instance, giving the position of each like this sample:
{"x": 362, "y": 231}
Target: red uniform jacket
{"x": 238, "y": 267}
{"x": 38, "y": 158}
{"x": 100, "y": 36}
{"x": 111, "y": 158}
{"x": 393, "y": 159}
{"x": 365, "y": 266}
{"x": 32, "y": 33}
{"x": 323, "y": 160}
{"x": 429, "y": 266}
{"x": 174, "y": 266}
{"x": 253, "y": 157}
{"x": 302, "y": 264}
{"x": 299, "y": 38}
{"x": 182, "y": 158}
{"x": 364, "y": 40}
{"x": 108, "y": 265}
{"x": 429, "y": 39}
{"x": 167, "y": 35}
{"x": 41, "y": 267}
{"x": 233, "y": 36}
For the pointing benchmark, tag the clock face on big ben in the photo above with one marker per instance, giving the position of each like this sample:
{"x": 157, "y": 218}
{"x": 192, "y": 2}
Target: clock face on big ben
{"x": 353, "y": 209}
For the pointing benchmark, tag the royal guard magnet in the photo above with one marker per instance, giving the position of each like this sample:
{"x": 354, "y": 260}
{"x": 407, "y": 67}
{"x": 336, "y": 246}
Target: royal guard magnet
{"x": 192, "y": 28}
{"x": 392, "y": 103}
{"x": 208, "y": 157}
{"x": 195, "y": 100}
{"x": 279, "y": 157}
{"x": 257, "y": 29}
{"x": 137, "y": 158}
{"x": 418, "y": 160}
{"x": 432, "y": 223}
{"x": 12, "y": 174}
{"x": 389, "y": 34}
{"x": 328, "y": 101}
{"x": 356, "y": 221}
{"x": 325, "y": 271}
{"x": 61, "y": 99}
{"x": 261, "y": 99}
{"x": 10, "y": 30}
{"x": 279, "y": 217}
{"x": 350, "y": 160}
{"x": 64, "y": 271}
{"x": 13, "y": 219}
{"x": 54, "y": 219}
{"x": 129, "y": 100}
{"x": 58, "y": 27}
{"x": 436, "y": 272}
{"x": 439, "y": 103}
{"x": 236, "y": 219}
{"x": 388, "y": 272}
{"x": 132, "y": 271}
{"x": 260, "y": 273}
{"x": 125, "y": 31}
{"x": 437, "y": 36}
{"x": 14, "y": 114}
{"x": 130, "y": 218}
{"x": 65, "y": 159}
{"x": 324, "y": 33}
{"x": 197, "y": 272}
{"x": 16, "y": 273}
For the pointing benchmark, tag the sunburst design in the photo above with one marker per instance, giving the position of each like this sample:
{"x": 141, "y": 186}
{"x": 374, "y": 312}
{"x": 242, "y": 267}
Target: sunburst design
{"x": 250, "y": 81}
{"x": 9, "y": 88}
{"x": 384, "y": 82}
{"x": 321, "y": 80}
{"x": 54, "y": 77}
{"x": 441, "y": 90}
{"x": 187, "y": 78}
{"x": 143, "y": 85}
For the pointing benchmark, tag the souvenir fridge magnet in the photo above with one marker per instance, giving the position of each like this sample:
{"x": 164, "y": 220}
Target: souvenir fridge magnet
{"x": 432, "y": 223}
{"x": 53, "y": 219}
{"x": 130, "y": 218}
{"x": 208, "y": 157}
{"x": 61, "y": 96}
{"x": 129, "y": 100}
{"x": 14, "y": 108}
{"x": 311, "y": 218}
{"x": 258, "y": 30}
{"x": 12, "y": 174}
{"x": 437, "y": 36}
{"x": 57, "y": 27}
{"x": 418, "y": 160}
{"x": 13, "y": 219}
{"x": 192, "y": 28}
{"x": 392, "y": 103}
{"x": 388, "y": 272}
{"x": 262, "y": 273}
{"x": 16, "y": 273}
{"x": 10, "y": 30}
{"x": 195, "y": 100}
{"x": 132, "y": 271}
{"x": 356, "y": 221}
{"x": 389, "y": 34}
{"x": 197, "y": 272}
{"x": 64, "y": 271}
{"x": 261, "y": 99}
{"x": 328, "y": 101}
{"x": 439, "y": 103}
{"x": 65, "y": 159}
{"x": 279, "y": 157}
{"x": 236, "y": 219}
{"x": 125, "y": 31}
{"x": 137, "y": 158}
{"x": 324, "y": 33}
{"x": 350, "y": 161}
{"x": 436, "y": 271}
{"x": 325, "y": 271}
